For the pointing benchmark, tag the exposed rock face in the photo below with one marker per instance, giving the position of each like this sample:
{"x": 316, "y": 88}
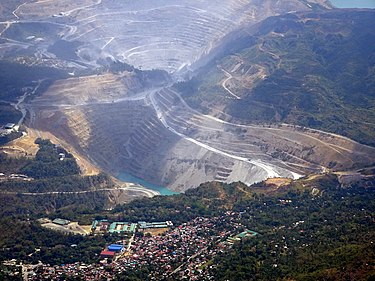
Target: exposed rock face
{"x": 156, "y": 136}
{"x": 123, "y": 125}
{"x": 311, "y": 69}
{"x": 157, "y": 34}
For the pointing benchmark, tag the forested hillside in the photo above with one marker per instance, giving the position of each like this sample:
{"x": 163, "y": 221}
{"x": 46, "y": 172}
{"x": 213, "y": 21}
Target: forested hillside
{"x": 307, "y": 229}
{"x": 313, "y": 69}
{"x": 32, "y": 185}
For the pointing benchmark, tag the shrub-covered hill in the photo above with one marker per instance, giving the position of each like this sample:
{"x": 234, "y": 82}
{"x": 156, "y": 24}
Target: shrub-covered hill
{"x": 309, "y": 229}
{"x": 48, "y": 174}
{"x": 328, "y": 237}
{"x": 313, "y": 69}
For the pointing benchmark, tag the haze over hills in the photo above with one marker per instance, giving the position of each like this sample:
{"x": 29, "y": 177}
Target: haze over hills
{"x": 259, "y": 113}
{"x": 163, "y": 34}
{"x": 310, "y": 69}
{"x": 128, "y": 120}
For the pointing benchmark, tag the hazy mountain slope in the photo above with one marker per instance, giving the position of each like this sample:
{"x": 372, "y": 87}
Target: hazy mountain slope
{"x": 310, "y": 69}
{"x": 126, "y": 120}
{"x": 162, "y": 34}
{"x": 156, "y": 136}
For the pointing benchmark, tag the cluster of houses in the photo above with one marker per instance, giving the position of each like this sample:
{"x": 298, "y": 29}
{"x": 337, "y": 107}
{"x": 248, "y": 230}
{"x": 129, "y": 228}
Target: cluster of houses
{"x": 182, "y": 252}
{"x": 111, "y": 251}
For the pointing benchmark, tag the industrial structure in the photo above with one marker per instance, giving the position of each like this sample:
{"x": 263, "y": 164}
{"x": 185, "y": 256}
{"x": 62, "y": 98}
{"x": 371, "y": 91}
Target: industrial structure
{"x": 104, "y": 226}
{"x": 61, "y": 221}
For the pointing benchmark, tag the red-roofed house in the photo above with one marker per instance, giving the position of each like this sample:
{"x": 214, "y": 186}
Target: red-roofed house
{"x": 107, "y": 254}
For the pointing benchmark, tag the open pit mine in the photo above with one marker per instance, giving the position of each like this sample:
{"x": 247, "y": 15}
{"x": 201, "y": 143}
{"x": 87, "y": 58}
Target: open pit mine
{"x": 126, "y": 121}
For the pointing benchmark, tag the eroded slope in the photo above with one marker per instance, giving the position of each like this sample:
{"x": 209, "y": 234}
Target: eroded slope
{"x": 155, "y": 135}
{"x": 163, "y": 34}
{"x": 149, "y": 131}
{"x": 309, "y": 69}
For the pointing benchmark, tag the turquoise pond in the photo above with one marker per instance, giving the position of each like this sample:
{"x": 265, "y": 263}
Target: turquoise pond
{"x": 353, "y": 3}
{"x": 161, "y": 189}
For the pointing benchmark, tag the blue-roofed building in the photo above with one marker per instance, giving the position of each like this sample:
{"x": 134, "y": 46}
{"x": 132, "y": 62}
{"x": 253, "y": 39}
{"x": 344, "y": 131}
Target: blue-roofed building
{"x": 115, "y": 248}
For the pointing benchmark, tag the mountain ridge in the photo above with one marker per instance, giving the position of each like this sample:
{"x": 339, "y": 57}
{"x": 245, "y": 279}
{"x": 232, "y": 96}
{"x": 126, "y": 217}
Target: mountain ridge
{"x": 275, "y": 73}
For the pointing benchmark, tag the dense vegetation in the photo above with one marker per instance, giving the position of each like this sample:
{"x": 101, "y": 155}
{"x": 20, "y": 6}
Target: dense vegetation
{"x": 311, "y": 69}
{"x": 8, "y": 114}
{"x": 328, "y": 237}
{"x": 9, "y": 137}
{"x": 63, "y": 183}
{"x": 49, "y": 164}
{"x": 49, "y": 171}
{"x": 149, "y": 78}
{"x": 20, "y": 239}
{"x": 14, "y": 77}
{"x": 303, "y": 235}
{"x": 50, "y": 174}
{"x": 319, "y": 75}
{"x": 17, "y": 79}
{"x": 207, "y": 200}
{"x": 20, "y": 234}
{"x": 12, "y": 165}
{"x": 71, "y": 206}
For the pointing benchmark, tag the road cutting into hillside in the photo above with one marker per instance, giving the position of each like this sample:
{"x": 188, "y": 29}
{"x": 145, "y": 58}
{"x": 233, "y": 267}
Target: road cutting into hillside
{"x": 224, "y": 83}
{"x": 271, "y": 172}
{"x": 131, "y": 188}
